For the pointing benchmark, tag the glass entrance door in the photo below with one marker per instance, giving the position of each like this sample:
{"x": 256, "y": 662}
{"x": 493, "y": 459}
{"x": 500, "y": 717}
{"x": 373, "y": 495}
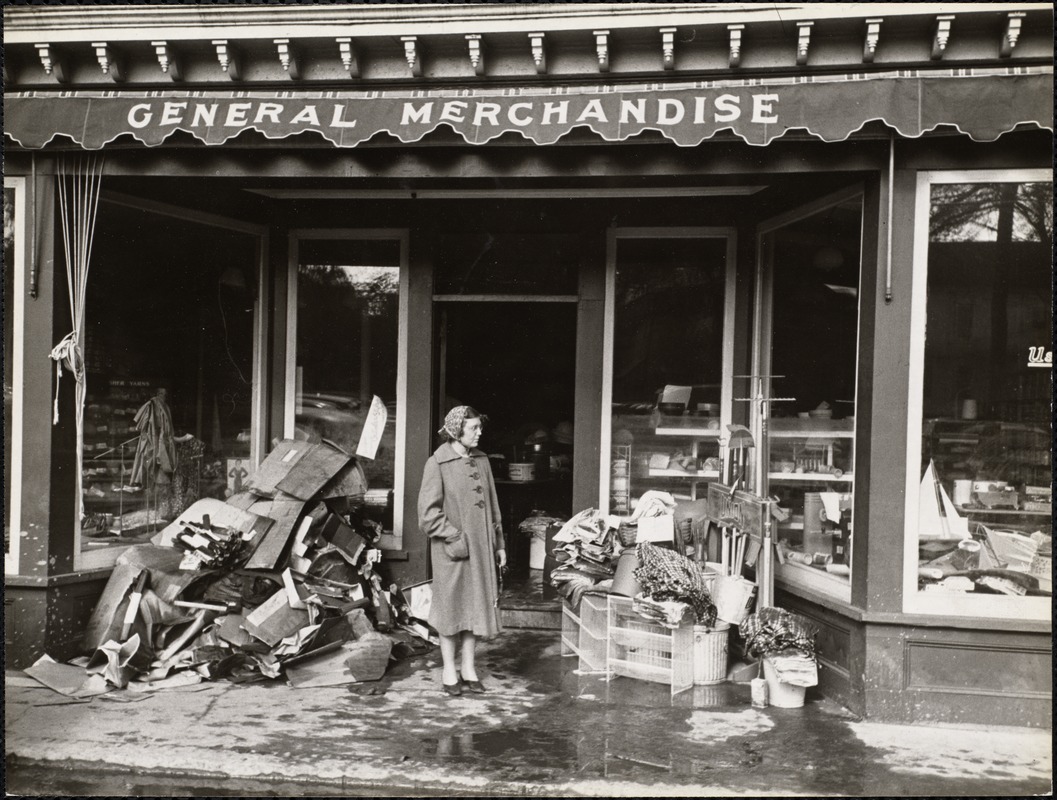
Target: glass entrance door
{"x": 806, "y": 340}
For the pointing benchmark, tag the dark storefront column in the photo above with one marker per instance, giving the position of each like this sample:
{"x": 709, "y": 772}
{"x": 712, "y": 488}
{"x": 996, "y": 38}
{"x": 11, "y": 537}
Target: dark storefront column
{"x": 47, "y": 604}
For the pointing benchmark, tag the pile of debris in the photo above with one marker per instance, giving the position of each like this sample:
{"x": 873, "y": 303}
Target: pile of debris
{"x": 279, "y": 580}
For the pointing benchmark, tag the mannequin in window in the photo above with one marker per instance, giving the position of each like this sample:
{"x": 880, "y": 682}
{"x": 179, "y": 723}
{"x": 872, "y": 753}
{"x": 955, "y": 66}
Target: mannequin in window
{"x": 156, "y": 450}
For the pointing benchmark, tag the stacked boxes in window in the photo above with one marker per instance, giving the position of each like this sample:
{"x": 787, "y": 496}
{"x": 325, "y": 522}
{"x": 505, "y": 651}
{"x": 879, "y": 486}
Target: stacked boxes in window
{"x": 642, "y": 649}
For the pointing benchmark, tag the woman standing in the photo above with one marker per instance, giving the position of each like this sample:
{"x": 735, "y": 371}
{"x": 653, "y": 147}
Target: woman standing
{"x": 459, "y": 512}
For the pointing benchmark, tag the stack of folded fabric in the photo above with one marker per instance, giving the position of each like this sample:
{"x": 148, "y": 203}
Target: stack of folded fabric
{"x": 772, "y": 631}
{"x": 585, "y": 549}
{"x": 666, "y": 575}
{"x": 669, "y": 613}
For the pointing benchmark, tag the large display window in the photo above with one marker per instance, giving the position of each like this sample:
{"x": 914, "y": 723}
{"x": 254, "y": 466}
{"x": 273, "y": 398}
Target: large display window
{"x": 807, "y": 351}
{"x": 979, "y": 514}
{"x": 346, "y": 342}
{"x": 14, "y": 277}
{"x": 668, "y": 363}
{"x": 169, "y": 359}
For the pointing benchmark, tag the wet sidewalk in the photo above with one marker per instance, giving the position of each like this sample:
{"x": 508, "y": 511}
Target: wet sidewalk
{"x": 542, "y": 729}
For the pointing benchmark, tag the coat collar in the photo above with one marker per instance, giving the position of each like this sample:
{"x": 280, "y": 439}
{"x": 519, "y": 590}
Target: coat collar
{"x": 446, "y": 453}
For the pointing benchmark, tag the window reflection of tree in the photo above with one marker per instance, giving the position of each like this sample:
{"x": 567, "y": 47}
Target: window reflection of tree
{"x": 995, "y": 212}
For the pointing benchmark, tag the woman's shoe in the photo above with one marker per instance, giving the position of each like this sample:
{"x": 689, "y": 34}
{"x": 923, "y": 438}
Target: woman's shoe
{"x": 474, "y": 686}
{"x": 452, "y": 689}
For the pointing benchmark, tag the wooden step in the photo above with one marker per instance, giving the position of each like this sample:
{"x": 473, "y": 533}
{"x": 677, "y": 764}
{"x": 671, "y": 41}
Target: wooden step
{"x": 522, "y": 604}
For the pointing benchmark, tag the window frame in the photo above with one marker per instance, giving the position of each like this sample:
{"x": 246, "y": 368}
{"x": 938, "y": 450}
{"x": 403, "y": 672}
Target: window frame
{"x": 107, "y": 557}
{"x": 990, "y": 606}
{"x": 613, "y": 235}
{"x": 16, "y": 306}
{"x": 395, "y": 540}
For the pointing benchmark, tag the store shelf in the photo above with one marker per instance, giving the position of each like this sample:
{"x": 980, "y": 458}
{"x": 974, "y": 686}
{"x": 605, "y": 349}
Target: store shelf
{"x": 812, "y": 434}
{"x": 806, "y": 428}
{"x": 700, "y": 433}
{"x": 810, "y": 477}
{"x": 681, "y": 473}
{"x": 976, "y": 511}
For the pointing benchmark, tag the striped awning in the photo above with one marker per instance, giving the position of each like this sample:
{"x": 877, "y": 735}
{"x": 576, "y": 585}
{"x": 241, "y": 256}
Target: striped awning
{"x": 981, "y": 104}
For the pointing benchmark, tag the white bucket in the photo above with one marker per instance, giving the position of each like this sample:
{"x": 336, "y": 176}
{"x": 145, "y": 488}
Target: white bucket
{"x": 782, "y": 695}
{"x": 734, "y": 597}
{"x": 537, "y": 553}
{"x": 710, "y": 653}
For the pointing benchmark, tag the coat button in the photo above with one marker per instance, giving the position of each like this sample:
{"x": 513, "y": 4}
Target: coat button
{"x": 478, "y": 489}
{"x": 475, "y": 475}
{"x": 479, "y": 504}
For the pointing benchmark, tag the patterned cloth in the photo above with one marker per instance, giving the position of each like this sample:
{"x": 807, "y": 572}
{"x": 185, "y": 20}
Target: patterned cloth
{"x": 454, "y": 421}
{"x": 666, "y": 575}
{"x": 775, "y": 630}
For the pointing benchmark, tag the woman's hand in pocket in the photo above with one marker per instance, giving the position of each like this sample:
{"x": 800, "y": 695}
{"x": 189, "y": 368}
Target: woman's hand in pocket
{"x": 457, "y": 549}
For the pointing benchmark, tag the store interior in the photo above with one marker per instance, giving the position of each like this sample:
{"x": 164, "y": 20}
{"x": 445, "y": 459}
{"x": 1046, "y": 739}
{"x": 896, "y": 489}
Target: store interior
{"x": 170, "y": 305}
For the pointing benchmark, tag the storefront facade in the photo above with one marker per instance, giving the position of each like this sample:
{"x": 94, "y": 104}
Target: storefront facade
{"x": 553, "y": 214}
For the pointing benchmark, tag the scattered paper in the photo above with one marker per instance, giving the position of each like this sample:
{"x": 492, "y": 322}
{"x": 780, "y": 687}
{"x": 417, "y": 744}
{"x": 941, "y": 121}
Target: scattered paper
{"x": 186, "y": 678}
{"x": 111, "y": 661}
{"x": 373, "y": 428}
{"x": 831, "y": 505}
{"x": 65, "y": 678}
{"x": 420, "y": 599}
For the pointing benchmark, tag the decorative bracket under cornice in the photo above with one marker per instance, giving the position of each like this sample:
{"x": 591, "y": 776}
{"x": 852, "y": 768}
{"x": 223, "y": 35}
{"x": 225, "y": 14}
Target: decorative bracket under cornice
{"x": 1009, "y": 39}
{"x": 108, "y": 61}
{"x": 229, "y": 59}
{"x": 803, "y": 42}
{"x": 167, "y": 60}
{"x": 873, "y": 36}
{"x": 735, "y": 44}
{"x": 473, "y": 41}
{"x": 348, "y": 55}
{"x": 412, "y": 55}
{"x": 288, "y": 59}
{"x": 668, "y": 47}
{"x": 539, "y": 55}
{"x": 52, "y": 62}
{"x": 602, "y": 50}
{"x": 942, "y": 35}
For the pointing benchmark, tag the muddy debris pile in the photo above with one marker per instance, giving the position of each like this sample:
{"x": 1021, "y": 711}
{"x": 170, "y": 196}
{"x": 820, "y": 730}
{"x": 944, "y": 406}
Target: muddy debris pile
{"x": 282, "y": 580}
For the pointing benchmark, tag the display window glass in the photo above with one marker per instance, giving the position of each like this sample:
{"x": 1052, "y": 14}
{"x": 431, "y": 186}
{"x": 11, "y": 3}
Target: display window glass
{"x": 14, "y": 275}
{"x": 169, "y": 369}
{"x": 979, "y": 513}
{"x": 668, "y": 363}
{"x": 347, "y": 351}
{"x": 807, "y": 353}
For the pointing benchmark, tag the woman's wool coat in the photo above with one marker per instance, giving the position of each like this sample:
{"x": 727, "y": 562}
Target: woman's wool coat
{"x": 459, "y": 512}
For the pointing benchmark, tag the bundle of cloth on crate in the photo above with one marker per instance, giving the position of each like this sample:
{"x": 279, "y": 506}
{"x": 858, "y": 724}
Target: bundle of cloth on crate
{"x": 673, "y": 579}
{"x": 670, "y": 586}
{"x": 281, "y": 580}
{"x": 787, "y": 640}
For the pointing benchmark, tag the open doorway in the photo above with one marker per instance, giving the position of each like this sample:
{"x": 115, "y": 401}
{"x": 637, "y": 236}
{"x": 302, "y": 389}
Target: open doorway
{"x": 515, "y": 362}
